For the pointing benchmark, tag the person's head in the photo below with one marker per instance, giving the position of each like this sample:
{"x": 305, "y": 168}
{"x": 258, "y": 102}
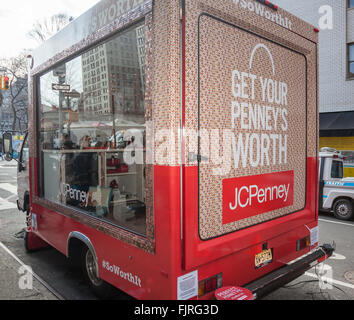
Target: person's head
{"x": 85, "y": 141}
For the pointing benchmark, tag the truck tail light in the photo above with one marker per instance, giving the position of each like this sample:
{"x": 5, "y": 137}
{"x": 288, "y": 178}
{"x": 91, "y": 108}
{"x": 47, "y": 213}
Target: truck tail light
{"x": 322, "y": 259}
{"x": 303, "y": 243}
{"x": 210, "y": 284}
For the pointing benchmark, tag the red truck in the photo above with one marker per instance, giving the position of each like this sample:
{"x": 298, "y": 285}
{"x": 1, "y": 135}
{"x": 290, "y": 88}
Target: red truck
{"x": 173, "y": 147}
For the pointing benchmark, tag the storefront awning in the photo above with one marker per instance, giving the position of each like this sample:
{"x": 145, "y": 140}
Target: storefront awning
{"x": 337, "y": 124}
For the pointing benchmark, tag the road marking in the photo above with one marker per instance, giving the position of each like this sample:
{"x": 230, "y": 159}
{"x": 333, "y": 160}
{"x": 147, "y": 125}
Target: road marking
{"x": 11, "y": 197}
{"x": 6, "y": 205}
{"x": 45, "y": 284}
{"x": 337, "y": 256}
{"x": 337, "y": 222}
{"x": 8, "y": 187}
{"x": 330, "y": 280}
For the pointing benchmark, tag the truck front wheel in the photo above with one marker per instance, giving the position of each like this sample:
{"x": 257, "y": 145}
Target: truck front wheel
{"x": 343, "y": 209}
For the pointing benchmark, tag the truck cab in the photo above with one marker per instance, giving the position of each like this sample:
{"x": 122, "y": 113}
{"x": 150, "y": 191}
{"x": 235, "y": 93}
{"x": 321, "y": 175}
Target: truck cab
{"x": 336, "y": 192}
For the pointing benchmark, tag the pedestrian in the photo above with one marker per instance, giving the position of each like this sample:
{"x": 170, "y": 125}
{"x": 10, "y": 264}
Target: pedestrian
{"x": 1, "y": 154}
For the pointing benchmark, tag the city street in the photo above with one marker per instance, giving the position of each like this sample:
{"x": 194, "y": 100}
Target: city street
{"x": 56, "y": 279}
{"x": 180, "y": 150}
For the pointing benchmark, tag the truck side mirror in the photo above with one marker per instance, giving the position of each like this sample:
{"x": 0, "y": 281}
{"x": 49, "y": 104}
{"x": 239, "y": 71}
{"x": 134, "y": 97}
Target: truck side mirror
{"x": 7, "y": 146}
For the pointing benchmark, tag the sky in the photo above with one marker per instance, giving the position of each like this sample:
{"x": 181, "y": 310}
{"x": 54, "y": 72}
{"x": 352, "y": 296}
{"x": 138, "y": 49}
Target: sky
{"x": 18, "y": 16}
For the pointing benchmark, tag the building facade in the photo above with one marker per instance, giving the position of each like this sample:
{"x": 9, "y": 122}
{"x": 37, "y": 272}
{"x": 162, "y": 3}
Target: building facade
{"x": 335, "y": 20}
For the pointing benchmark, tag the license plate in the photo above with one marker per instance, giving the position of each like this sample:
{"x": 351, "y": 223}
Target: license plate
{"x": 263, "y": 258}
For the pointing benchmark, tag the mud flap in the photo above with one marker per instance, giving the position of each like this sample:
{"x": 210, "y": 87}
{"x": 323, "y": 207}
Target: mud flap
{"x": 33, "y": 242}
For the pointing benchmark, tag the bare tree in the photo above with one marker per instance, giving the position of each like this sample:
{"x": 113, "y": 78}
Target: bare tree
{"x": 45, "y": 28}
{"x": 16, "y": 97}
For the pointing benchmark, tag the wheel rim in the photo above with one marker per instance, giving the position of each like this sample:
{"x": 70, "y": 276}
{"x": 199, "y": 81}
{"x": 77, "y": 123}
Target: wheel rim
{"x": 343, "y": 210}
{"x": 92, "y": 269}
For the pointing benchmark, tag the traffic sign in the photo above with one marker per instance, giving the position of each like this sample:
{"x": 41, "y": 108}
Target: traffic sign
{"x": 60, "y": 87}
{"x": 72, "y": 94}
{"x": 60, "y": 71}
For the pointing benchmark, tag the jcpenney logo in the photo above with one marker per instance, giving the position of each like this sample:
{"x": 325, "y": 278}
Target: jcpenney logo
{"x": 75, "y": 194}
{"x": 262, "y": 11}
{"x": 252, "y": 195}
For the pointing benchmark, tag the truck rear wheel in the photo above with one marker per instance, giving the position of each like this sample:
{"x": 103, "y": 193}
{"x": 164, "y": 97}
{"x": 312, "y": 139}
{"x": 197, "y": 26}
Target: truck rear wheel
{"x": 343, "y": 209}
{"x": 90, "y": 268}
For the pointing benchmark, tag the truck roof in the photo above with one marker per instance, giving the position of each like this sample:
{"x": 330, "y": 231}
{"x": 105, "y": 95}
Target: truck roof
{"x": 106, "y": 11}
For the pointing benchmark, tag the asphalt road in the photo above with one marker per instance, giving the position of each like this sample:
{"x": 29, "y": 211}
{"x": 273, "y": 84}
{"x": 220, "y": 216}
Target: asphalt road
{"x": 54, "y": 270}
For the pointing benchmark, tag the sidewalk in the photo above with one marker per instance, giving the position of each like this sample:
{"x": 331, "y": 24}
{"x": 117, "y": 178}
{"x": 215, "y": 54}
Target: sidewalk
{"x": 12, "y": 277}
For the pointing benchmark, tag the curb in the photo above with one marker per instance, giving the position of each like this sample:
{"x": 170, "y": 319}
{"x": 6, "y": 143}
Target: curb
{"x": 17, "y": 281}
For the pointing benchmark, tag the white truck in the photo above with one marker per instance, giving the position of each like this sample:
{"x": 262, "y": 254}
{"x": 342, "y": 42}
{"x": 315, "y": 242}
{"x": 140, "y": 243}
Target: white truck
{"x": 336, "y": 193}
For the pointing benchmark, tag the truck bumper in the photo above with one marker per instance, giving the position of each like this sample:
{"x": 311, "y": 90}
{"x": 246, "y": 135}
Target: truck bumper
{"x": 278, "y": 278}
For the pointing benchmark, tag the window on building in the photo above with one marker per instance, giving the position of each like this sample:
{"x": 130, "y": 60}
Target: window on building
{"x": 93, "y": 156}
{"x": 351, "y": 60}
{"x": 350, "y": 3}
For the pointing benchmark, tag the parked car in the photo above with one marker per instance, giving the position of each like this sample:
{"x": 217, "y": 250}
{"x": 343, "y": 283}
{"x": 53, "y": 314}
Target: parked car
{"x": 336, "y": 192}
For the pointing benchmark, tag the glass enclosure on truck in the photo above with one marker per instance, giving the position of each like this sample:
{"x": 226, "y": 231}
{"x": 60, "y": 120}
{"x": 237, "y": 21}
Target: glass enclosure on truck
{"x": 92, "y": 134}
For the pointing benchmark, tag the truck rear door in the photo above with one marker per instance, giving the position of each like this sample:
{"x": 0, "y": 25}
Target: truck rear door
{"x": 250, "y": 83}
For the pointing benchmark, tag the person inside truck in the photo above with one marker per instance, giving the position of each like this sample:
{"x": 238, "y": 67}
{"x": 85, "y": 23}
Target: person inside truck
{"x": 1, "y": 153}
{"x": 85, "y": 142}
{"x": 67, "y": 143}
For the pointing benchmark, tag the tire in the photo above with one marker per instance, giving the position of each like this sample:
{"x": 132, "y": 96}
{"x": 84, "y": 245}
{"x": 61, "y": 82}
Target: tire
{"x": 28, "y": 224}
{"x": 27, "y": 248}
{"x": 343, "y": 209}
{"x": 28, "y": 217}
{"x": 90, "y": 269}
